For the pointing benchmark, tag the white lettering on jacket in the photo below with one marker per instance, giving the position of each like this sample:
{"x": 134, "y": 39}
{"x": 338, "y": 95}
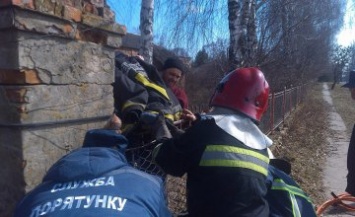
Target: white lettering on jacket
{"x": 98, "y": 182}
{"x": 77, "y": 202}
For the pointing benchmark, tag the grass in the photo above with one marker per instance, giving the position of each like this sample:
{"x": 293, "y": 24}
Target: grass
{"x": 345, "y": 106}
{"x": 303, "y": 138}
{"x": 302, "y": 141}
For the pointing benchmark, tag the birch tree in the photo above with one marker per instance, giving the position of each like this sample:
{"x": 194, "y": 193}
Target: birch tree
{"x": 242, "y": 31}
{"x": 252, "y": 41}
{"x": 290, "y": 40}
{"x": 235, "y": 32}
{"x": 197, "y": 22}
{"x": 191, "y": 23}
{"x": 146, "y": 29}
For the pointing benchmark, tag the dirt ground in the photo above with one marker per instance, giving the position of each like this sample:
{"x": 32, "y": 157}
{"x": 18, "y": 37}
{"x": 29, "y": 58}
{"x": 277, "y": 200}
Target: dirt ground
{"x": 315, "y": 140}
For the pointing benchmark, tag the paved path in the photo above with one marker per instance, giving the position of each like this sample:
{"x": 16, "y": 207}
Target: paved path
{"x": 335, "y": 171}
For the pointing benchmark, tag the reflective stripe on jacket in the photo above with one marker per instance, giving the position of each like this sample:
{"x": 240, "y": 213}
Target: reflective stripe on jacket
{"x": 285, "y": 197}
{"x": 138, "y": 87}
{"x": 230, "y": 156}
{"x": 224, "y": 176}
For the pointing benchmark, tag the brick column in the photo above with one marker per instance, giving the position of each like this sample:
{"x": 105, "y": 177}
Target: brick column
{"x": 56, "y": 70}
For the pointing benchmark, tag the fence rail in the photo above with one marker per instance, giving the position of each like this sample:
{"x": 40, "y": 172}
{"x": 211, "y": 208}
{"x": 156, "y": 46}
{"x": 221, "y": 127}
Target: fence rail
{"x": 280, "y": 106}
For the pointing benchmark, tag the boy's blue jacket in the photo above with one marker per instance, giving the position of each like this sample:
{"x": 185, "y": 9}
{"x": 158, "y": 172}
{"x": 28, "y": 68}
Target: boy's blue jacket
{"x": 95, "y": 181}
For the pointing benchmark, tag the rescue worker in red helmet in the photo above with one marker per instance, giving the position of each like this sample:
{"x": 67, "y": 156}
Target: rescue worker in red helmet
{"x": 224, "y": 153}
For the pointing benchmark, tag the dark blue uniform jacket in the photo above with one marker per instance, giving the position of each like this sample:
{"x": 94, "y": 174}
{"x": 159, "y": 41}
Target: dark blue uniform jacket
{"x": 225, "y": 178}
{"x": 285, "y": 197}
{"x": 95, "y": 181}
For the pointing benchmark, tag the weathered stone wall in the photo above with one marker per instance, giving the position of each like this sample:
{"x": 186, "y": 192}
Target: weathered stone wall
{"x": 56, "y": 70}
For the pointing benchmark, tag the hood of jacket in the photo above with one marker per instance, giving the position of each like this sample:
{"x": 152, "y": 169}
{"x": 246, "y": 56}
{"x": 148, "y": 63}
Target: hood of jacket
{"x": 240, "y": 127}
{"x": 87, "y": 162}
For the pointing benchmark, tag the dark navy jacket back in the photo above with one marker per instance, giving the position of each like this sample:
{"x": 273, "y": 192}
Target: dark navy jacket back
{"x": 95, "y": 181}
{"x": 285, "y": 197}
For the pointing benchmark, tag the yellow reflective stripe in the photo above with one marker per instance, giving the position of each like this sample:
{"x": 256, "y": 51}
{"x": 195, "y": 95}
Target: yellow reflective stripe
{"x": 168, "y": 116}
{"x": 177, "y": 116}
{"x": 127, "y": 127}
{"x": 279, "y": 184}
{"x": 130, "y": 103}
{"x": 293, "y": 191}
{"x": 295, "y": 209}
{"x": 236, "y": 150}
{"x": 141, "y": 78}
{"x": 235, "y": 163}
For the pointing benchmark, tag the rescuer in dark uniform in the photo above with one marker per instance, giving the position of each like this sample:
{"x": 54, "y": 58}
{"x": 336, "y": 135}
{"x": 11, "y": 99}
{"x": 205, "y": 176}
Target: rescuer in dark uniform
{"x": 350, "y": 188}
{"x": 224, "y": 153}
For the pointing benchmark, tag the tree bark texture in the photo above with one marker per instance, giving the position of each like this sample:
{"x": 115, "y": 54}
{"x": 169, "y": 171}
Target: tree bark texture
{"x": 236, "y": 31}
{"x": 146, "y": 29}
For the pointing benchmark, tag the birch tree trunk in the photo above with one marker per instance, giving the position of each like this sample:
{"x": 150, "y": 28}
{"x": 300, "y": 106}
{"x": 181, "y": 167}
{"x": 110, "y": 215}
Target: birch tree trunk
{"x": 235, "y": 32}
{"x": 146, "y": 29}
{"x": 244, "y": 43}
{"x": 252, "y": 37}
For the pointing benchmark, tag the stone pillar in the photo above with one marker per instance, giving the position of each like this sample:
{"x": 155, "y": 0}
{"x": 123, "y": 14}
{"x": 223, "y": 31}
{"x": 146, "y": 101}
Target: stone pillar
{"x": 56, "y": 71}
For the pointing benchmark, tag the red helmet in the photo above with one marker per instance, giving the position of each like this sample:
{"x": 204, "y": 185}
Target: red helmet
{"x": 245, "y": 90}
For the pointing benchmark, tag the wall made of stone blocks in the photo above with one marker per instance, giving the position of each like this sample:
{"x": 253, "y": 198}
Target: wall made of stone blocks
{"x": 56, "y": 71}
{"x": 27, "y": 153}
{"x": 67, "y": 9}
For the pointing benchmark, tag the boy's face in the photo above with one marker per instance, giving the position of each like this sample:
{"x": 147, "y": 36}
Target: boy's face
{"x": 352, "y": 91}
{"x": 171, "y": 76}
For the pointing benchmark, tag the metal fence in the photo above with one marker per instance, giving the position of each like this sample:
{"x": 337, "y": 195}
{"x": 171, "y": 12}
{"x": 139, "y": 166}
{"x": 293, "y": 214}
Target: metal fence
{"x": 280, "y": 106}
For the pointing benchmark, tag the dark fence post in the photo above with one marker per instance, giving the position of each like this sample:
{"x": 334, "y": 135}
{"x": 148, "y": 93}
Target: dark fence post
{"x": 284, "y": 105}
{"x": 291, "y": 92}
{"x": 272, "y": 112}
{"x": 297, "y": 90}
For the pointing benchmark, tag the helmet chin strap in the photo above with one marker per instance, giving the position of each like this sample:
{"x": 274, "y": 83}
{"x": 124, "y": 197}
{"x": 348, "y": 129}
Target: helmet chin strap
{"x": 211, "y": 98}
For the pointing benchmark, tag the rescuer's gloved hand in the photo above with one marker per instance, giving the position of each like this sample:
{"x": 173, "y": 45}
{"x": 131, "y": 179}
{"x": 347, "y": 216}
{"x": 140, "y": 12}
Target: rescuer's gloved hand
{"x": 157, "y": 123}
{"x": 149, "y": 118}
{"x": 131, "y": 117}
{"x": 174, "y": 130}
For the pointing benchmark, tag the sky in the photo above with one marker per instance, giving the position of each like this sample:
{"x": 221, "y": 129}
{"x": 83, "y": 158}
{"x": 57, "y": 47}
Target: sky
{"x": 347, "y": 34}
{"x": 346, "y": 37}
{"x": 128, "y": 13}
